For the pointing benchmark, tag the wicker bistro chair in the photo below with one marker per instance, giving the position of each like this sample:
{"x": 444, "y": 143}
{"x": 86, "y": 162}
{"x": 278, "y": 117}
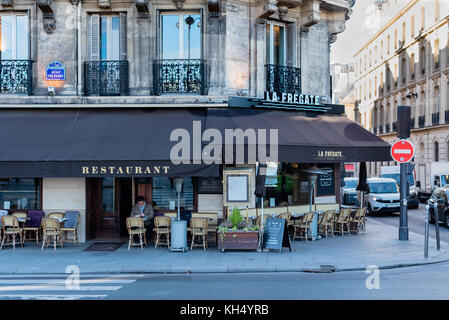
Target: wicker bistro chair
{"x": 11, "y": 228}
{"x": 136, "y": 227}
{"x": 162, "y": 227}
{"x": 20, "y": 215}
{"x": 343, "y": 220}
{"x": 2, "y": 213}
{"x": 56, "y": 215}
{"x": 304, "y": 226}
{"x": 51, "y": 228}
{"x": 357, "y": 223}
{"x": 198, "y": 227}
{"x": 71, "y": 225}
{"x": 33, "y": 224}
{"x": 327, "y": 222}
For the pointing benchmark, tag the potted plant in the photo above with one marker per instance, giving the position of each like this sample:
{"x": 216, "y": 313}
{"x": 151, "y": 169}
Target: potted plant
{"x": 237, "y": 234}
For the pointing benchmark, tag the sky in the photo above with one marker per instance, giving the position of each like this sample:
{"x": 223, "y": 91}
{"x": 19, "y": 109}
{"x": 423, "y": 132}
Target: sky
{"x": 365, "y": 21}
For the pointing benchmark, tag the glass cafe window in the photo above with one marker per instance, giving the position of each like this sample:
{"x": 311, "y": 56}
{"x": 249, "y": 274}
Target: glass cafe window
{"x": 179, "y": 39}
{"x": 14, "y": 35}
{"x": 279, "y": 186}
{"x": 17, "y": 194}
{"x": 275, "y": 42}
{"x": 164, "y": 193}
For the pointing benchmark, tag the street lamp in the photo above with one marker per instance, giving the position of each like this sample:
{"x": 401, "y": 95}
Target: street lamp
{"x": 189, "y": 21}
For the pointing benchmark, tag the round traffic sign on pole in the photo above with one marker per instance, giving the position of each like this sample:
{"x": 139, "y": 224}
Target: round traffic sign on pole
{"x": 402, "y": 151}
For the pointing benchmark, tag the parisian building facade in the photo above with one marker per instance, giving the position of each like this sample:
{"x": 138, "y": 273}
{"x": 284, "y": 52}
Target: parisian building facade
{"x": 407, "y": 63}
{"x": 61, "y": 54}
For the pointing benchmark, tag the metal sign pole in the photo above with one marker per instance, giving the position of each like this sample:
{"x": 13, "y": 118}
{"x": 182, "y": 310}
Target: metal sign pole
{"x": 426, "y": 237}
{"x": 403, "y": 223}
{"x": 437, "y": 224}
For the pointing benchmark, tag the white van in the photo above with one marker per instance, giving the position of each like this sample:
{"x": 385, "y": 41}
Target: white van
{"x": 383, "y": 197}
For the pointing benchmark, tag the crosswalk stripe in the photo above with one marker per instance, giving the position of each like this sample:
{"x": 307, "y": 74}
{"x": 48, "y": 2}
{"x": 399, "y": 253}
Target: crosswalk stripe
{"x": 65, "y": 275}
{"x": 62, "y": 281}
{"x": 51, "y": 296}
{"x": 58, "y": 288}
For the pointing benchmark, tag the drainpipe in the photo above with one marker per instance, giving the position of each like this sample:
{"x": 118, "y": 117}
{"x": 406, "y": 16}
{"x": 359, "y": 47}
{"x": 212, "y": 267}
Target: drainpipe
{"x": 79, "y": 47}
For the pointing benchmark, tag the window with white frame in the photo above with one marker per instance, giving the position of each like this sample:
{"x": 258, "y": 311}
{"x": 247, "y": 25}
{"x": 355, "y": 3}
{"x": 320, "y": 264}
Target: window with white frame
{"x": 14, "y": 35}
{"x": 181, "y": 35}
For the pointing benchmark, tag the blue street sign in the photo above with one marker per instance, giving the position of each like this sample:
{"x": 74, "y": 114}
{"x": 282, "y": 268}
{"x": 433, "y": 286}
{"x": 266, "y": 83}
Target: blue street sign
{"x": 55, "y": 71}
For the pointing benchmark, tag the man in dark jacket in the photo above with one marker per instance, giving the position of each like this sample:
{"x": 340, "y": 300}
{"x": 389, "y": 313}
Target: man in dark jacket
{"x": 145, "y": 211}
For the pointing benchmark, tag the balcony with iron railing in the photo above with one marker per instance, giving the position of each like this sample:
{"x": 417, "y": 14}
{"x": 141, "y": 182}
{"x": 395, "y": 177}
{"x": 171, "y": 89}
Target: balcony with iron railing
{"x": 446, "y": 116}
{"x": 106, "y": 78}
{"x": 412, "y": 123}
{"x": 182, "y": 76}
{"x": 16, "y": 76}
{"x": 381, "y": 129}
{"x": 435, "y": 118}
{"x": 387, "y": 128}
{"x": 283, "y": 79}
{"x": 395, "y": 127}
{"x": 375, "y": 130}
{"x": 421, "y": 121}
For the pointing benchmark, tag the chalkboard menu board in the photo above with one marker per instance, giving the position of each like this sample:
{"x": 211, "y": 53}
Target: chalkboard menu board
{"x": 326, "y": 182}
{"x": 276, "y": 234}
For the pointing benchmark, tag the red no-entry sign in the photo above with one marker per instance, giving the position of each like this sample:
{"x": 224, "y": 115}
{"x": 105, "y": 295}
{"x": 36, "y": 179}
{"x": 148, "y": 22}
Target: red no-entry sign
{"x": 402, "y": 151}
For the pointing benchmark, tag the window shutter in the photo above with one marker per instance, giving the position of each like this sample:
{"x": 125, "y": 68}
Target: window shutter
{"x": 123, "y": 37}
{"x": 291, "y": 45}
{"x": 94, "y": 37}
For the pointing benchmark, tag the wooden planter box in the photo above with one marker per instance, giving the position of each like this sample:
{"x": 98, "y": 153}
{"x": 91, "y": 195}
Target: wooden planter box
{"x": 243, "y": 240}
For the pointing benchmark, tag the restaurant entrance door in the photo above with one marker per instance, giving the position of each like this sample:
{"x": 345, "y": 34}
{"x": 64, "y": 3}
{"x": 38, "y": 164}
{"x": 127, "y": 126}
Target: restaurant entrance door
{"x": 109, "y": 202}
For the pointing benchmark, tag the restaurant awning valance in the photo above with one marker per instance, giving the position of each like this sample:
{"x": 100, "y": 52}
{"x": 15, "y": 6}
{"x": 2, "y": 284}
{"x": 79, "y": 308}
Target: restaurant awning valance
{"x": 305, "y": 138}
{"x": 95, "y": 142}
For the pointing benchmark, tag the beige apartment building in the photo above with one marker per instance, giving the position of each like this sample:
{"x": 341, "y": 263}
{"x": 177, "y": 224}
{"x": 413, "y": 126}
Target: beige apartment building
{"x": 407, "y": 63}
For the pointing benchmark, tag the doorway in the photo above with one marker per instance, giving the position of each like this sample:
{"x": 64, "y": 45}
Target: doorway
{"x": 109, "y": 203}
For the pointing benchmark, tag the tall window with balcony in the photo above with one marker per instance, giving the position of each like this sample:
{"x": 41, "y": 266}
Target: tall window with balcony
{"x": 15, "y": 63}
{"x": 106, "y": 71}
{"x": 180, "y": 67}
{"x": 412, "y": 66}
{"x": 281, "y": 72}
{"x": 436, "y": 55}
{"x": 422, "y": 59}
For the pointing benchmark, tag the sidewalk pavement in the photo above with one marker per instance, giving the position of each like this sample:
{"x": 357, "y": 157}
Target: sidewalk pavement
{"x": 379, "y": 246}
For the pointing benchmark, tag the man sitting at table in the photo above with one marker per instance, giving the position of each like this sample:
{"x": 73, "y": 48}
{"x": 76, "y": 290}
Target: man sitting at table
{"x": 144, "y": 210}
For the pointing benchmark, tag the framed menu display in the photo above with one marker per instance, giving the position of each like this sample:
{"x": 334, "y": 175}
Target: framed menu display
{"x": 237, "y": 187}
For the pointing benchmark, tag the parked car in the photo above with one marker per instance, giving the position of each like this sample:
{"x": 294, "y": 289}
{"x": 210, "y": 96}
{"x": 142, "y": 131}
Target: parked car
{"x": 350, "y": 192}
{"x": 383, "y": 196}
{"x": 394, "y": 172}
{"x": 440, "y": 197}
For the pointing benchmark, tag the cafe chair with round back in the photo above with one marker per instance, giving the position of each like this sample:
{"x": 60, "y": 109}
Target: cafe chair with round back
{"x": 287, "y": 216}
{"x": 51, "y": 229}
{"x": 304, "y": 227}
{"x": 20, "y": 215}
{"x": 56, "y": 215}
{"x": 198, "y": 228}
{"x": 71, "y": 225}
{"x": 11, "y": 228}
{"x": 136, "y": 227}
{"x": 33, "y": 224}
{"x": 343, "y": 221}
{"x": 327, "y": 223}
{"x": 162, "y": 227}
{"x": 2, "y": 213}
{"x": 357, "y": 221}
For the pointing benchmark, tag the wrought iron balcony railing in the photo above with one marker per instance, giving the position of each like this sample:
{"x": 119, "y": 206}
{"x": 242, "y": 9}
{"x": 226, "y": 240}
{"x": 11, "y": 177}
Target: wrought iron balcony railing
{"x": 421, "y": 121}
{"x": 16, "y": 76}
{"x": 178, "y": 76}
{"x": 435, "y": 118}
{"x": 375, "y": 130}
{"x": 446, "y": 116}
{"x": 381, "y": 129}
{"x": 283, "y": 79}
{"x": 387, "y": 128}
{"x": 412, "y": 123}
{"x": 395, "y": 126}
{"x": 106, "y": 78}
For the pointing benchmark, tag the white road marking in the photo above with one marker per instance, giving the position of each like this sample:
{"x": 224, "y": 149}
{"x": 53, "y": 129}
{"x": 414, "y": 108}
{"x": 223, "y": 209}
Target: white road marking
{"x": 58, "y": 288}
{"x": 51, "y": 296}
{"x": 62, "y": 282}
